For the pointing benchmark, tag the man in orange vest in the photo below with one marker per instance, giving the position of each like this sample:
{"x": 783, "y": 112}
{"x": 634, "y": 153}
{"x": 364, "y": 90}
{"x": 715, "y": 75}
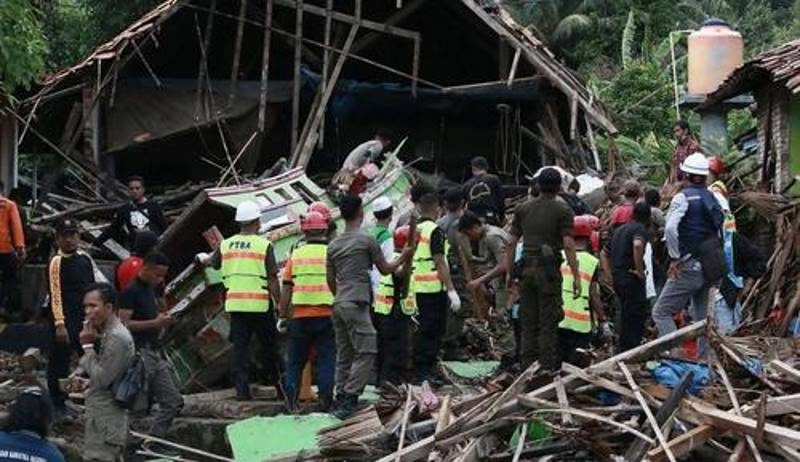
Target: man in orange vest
{"x": 307, "y": 296}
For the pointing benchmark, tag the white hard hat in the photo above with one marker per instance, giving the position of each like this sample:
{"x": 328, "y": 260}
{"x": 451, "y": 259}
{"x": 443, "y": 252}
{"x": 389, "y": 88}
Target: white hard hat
{"x": 247, "y": 211}
{"x": 382, "y": 203}
{"x": 695, "y": 164}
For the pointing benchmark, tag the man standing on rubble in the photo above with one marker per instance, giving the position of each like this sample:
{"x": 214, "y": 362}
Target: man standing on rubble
{"x": 484, "y": 193}
{"x": 625, "y": 257}
{"x": 70, "y": 272}
{"x": 368, "y": 151}
{"x": 143, "y": 313}
{"x": 350, "y": 257}
{"x": 686, "y": 144}
{"x": 432, "y": 285}
{"x": 545, "y": 225}
{"x": 12, "y": 253}
{"x": 307, "y": 295}
{"x": 250, "y": 276}
{"x": 108, "y": 353}
{"x": 459, "y": 254}
{"x": 137, "y": 215}
{"x": 491, "y": 242}
{"x": 692, "y": 232}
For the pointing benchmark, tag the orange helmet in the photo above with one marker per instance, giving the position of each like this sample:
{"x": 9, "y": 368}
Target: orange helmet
{"x": 320, "y": 208}
{"x": 401, "y": 236}
{"x": 716, "y": 165}
{"x": 584, "y": 225}
{"x": 314, "y": 221}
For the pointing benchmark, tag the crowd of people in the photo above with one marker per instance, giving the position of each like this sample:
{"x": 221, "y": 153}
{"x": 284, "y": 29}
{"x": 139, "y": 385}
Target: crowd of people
{"x": 382, "y": 304}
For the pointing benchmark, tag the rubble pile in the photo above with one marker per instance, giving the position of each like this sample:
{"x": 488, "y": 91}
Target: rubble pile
{"x": 631, "y": 406}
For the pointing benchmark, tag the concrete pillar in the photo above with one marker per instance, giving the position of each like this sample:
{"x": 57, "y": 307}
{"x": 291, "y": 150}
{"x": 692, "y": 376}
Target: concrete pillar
{"x": 714, "y": 131}
{"x": 9, "y": 133}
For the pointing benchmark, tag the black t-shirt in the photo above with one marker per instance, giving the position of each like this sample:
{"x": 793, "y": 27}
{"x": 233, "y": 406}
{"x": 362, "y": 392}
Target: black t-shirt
{"x": 77, "y": 272}
{"x": 132, "y": 218}
{"x": 621, "y": 246}
{"x": 485, "y": 197}
{"x": 438, "y": 238}
{"x": 140, "y": 298}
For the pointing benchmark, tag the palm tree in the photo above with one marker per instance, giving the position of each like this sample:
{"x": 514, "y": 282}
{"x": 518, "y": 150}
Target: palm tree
{"x": 556, "y": 22}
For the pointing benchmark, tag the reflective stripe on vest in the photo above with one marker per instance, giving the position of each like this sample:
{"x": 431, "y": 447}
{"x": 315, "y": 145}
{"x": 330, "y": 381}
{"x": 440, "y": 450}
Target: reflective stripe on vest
{"x": 384, "y": 296}
{"x": 308, "y": 275}
{"x": 425, "y": 278}
{"x": 243, "y": 273}
{"x": 576, "y": 310}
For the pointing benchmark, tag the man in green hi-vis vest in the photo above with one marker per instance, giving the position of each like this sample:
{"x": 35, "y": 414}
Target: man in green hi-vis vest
{"x": 250, "y": 276}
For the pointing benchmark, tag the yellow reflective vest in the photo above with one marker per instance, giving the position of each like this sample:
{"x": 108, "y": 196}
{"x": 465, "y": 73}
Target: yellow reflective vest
{"x": 577, "y": 316}
{"x": 385, "y": 296}
{"x": 243, "y": 273}
{"x": 424, "y": 277}
{"x": 308, "y": 275}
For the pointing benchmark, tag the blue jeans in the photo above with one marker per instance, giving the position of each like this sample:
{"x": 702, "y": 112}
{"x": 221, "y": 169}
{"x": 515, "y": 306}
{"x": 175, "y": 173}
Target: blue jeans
{"x": 689, "y": 286}
{"x": 303, "y": 334}
{"x": 727, "y": 319}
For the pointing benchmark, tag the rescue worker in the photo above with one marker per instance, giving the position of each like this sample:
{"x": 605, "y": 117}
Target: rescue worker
{"x": 432, "y": 286}
{"x": 484, "y": 193}
{"x": 545, "y": 225}
{"x": 108, "y": 353}
{"x": 459, "y": 255}
{"x": 350, "y": 257}
{"x": 70, "y": 272}
{"x": 491, "y": 242}
{"x": 250, "y": 276}
{"x": 307, "y": 301}
{"x": 623, "y": 213}
{"x": 625, "y": 255}
{"x": 382, "y": 211}
{"x": 144, "y": 313}
{"x": 692, "y": 233}
{"x": 395, "y": 305}
{"x": 325, "y": 211}
{"x": 129, "y": 268}
{"x": 585, "y": 312}
{"x": 12, "y": 253}
{"x": 368, "y": 151}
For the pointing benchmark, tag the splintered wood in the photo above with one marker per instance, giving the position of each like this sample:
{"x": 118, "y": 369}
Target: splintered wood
{"x": 615, "y": 409}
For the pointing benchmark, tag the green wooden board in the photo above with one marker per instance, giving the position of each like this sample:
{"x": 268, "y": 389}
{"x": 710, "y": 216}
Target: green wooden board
{"x": 471, "y": 369}
{"x": 260, "y": 438}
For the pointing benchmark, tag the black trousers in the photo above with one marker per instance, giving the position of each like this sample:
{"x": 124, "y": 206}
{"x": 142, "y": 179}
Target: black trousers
{"x": 393, "y": 350}
{"x": 432, "y": 325}
{"x": 9, "y": 282}
{"x": 634, "y": 309}
{"x": 569, "y": 341}
{"x": 243, "y": 327}
{"x": 60, "y": 354}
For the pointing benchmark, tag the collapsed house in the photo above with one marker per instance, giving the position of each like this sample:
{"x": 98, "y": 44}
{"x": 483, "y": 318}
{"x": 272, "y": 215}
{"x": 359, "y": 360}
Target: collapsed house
{"x": 773, "y": 78}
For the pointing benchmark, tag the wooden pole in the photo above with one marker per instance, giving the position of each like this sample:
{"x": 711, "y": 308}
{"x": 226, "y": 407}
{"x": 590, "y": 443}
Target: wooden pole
{"x": 237, "y": 53}
{"x": 513, "y": 72}
{"x": 298, "y": 42}
{"x": 404, "y": 425}
{"x": 301, "y": 157}
{"x": 326, "y": 62}
{"x": 262, "y": 103}
{"x": 204, "y": 43}
{"x": 737, "y": 409}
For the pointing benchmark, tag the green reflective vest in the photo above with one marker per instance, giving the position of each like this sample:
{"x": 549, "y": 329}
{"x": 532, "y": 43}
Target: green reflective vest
{"x": 577, "y": 316}
{"x": 308, "y": 275}
{"x": 424, "y": 277}
{"x": 243, "y": 273}
{"x": 385, "y": 296}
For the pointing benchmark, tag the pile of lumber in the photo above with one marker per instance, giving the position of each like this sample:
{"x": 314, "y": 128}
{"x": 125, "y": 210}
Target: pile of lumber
{"x": 612, "y": 410}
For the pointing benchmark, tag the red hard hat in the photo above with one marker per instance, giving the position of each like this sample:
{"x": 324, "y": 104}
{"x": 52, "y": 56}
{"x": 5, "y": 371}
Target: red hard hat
{"x": 716, "y": 165}
{"x": 320, "y": 208}
{"x": 314, "y": 221}
{"x": 583, "y": 225}
{"x": 401, "y": 236}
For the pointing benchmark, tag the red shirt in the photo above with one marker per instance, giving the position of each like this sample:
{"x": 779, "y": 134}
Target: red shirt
{"x": 622, "y": 214}
{"x": 127, "y": 271}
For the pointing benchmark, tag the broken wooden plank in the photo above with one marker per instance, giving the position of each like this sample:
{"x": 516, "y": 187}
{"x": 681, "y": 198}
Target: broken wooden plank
{"x": 414, "y": 451}
{"x": 561, "y": 393}
{"x": 737, "y": 409}
{"x": 638, "y": 449}
{"x": 237, "y": 53}
{"x": 727, "y": 421}
{"x": 517, "y": 386}
{"x": 265, "y": 55}
{"x": 298, "y": 42}
{"x": 647, "y": 412}
{"x": 784, "y": 368}
{"x": 512, "y": 73}
{"x": 778, "y": 405}
{"x": 684, "y": 444}
{"x": 521, "y": 442}
{"x": 404, "y": 424}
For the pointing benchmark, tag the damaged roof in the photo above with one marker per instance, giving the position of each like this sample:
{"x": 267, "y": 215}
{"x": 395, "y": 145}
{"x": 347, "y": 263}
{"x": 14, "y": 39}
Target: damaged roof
{"x": 126, "y": 44}
{"x": 780, "y": 65}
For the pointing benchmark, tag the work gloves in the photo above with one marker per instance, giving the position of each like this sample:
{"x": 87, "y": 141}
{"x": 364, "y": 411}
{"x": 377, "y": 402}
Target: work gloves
{"x": 455, "y": 302}
{"x": 202, "y": 258}
{"x": 282, "y": 326}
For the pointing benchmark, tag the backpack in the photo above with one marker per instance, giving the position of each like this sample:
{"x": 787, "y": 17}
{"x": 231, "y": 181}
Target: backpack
{"x": 131, "y": 386}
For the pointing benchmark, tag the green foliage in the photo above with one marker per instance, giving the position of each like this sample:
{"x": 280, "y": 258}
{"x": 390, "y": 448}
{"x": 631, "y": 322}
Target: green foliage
{"x": 69, "y": 30}
{"x": 22, "y": 45}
